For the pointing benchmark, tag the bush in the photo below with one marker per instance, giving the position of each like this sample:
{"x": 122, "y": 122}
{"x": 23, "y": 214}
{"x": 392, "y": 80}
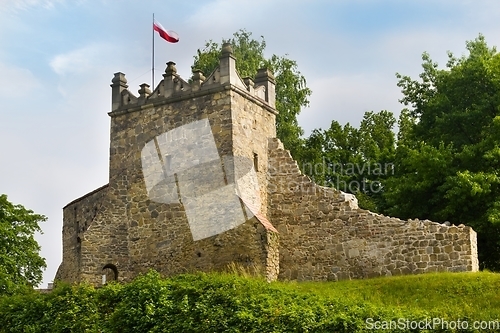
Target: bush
{"x": 228, "y": 303}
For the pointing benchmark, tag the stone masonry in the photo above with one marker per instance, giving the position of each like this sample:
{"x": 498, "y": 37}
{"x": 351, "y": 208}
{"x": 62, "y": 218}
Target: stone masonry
{"x": 199, "y": 181}
{"x": 324, "y": 235}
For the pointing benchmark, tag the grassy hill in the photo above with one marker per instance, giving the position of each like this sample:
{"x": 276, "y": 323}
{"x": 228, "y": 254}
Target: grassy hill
{"x": 443, "y": 302}
{"x": 473, "y": 295}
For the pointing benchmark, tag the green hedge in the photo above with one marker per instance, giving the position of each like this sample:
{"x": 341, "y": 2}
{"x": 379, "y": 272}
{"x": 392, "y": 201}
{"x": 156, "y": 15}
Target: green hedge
{"x": 198, "y": 303}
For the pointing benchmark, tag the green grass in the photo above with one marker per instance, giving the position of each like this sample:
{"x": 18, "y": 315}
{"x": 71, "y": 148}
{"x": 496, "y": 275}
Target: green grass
{"x": 217, "y": 302}
{"x": 472, "y": 295}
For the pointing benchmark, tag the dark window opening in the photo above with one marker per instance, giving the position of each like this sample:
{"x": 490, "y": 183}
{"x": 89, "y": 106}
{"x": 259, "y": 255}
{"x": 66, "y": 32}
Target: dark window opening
{"x": 109, "y": 273}
{"x": 256, "y": 162}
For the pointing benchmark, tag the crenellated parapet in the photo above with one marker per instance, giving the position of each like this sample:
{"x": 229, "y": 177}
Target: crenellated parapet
{"x": 174, "y": 87}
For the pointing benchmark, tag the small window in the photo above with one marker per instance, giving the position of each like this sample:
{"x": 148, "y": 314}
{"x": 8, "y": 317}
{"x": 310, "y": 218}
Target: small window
{"x": 256, "y": 162}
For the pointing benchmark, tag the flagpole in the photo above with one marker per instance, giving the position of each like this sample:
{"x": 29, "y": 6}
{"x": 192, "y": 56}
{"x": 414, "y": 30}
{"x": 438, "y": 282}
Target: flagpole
{"x": 153, "y": 58}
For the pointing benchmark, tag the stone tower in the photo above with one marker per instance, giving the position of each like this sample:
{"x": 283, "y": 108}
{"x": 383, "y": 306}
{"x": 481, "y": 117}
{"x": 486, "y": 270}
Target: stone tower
{"x": 199, "y": 181}
{"x": 187, "y": 182}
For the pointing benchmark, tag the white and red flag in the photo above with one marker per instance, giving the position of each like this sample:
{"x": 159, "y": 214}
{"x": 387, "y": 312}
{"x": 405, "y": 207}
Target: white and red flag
{"x": 168, "y": 35}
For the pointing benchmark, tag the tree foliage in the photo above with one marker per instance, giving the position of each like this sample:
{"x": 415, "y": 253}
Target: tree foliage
{"x": 20, "y": 262}
{"x": 448, "y": 155}
{"x": 354, "y": 160}
{"x": 291, "y": 90}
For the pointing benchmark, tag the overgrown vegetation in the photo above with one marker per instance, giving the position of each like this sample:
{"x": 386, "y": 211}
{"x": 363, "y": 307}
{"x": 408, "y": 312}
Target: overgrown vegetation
{"x": 228, "y": 303}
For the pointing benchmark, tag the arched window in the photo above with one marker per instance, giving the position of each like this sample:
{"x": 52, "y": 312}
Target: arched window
{"x": 109, "y": 273}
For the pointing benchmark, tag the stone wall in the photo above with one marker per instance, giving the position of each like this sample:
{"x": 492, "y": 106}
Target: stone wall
{"x": 78, "y": 215}
{"x": 324, "y": 235}
{"x": 198, "y": 181}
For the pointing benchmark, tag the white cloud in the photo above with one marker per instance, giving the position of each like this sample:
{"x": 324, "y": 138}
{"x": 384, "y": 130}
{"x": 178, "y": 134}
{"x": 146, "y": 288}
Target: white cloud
{"x": 80, "y": 60}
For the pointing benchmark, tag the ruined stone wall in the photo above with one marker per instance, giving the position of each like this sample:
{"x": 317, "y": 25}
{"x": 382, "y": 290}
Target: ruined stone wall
{"x": 77, "y": 217}
{"x": 105, "y": 241}
{"x": 325, "y": 236}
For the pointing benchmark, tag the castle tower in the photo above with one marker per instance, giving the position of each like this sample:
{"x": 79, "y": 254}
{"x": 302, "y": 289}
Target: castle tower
{"x": 198, "y": 181}
{"x": 187, "y": 181}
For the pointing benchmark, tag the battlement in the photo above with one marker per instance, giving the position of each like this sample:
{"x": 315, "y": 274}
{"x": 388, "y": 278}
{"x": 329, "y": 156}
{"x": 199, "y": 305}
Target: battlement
{"x": 173, "y": 87}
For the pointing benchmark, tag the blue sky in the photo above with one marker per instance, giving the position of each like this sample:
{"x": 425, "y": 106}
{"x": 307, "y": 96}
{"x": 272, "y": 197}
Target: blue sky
{"x": 57, "y": 59}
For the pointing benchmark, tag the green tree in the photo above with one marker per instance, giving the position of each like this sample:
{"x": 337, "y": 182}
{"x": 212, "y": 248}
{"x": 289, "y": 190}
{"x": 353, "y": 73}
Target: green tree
{"x": 20, "y": 262}
{"x": 291, "y": 90}
{"x": 354, "y": 160}
{"x": 448, "y": 155}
